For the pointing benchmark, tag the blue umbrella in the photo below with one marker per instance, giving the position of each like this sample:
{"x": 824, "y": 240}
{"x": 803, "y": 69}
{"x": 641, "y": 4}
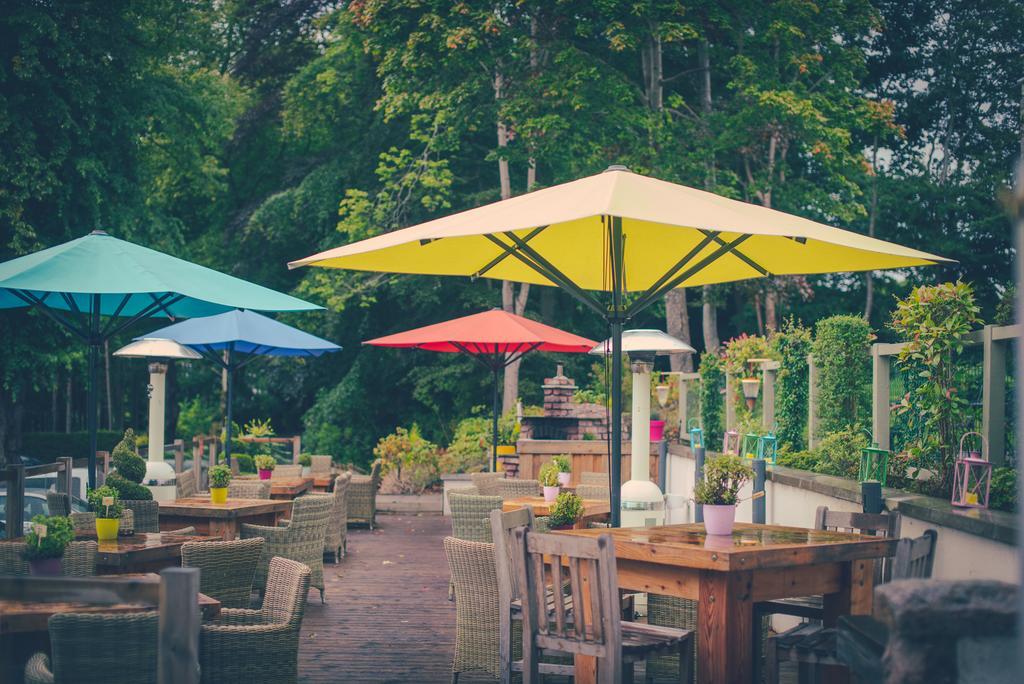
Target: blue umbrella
{"x": 244, "y": 336}
{"x": 78, "y": 282}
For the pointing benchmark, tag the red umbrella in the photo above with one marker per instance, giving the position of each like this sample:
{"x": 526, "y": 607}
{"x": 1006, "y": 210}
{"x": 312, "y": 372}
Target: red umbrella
{"x": 495, "y": 338}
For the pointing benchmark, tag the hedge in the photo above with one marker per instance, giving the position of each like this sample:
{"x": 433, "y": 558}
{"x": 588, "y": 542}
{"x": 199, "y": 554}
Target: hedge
{"x": 712, "y": 406}
{"x": 792, "y": 345}
{"x": 842, "y": 354}
{"x": 49, "y": 446}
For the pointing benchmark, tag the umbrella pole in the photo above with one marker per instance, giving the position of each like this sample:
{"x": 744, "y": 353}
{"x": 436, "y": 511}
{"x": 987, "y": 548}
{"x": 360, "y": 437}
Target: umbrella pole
{"x": 227, "y": 426}
{"x": 91, "y": 399}
{"x": 494, "y": 424}
{"x": 615, "y": 464}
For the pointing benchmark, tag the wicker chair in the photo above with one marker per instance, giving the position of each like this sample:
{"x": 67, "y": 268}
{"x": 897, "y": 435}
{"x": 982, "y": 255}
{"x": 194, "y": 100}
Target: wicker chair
{"x": 301, "y": 540}
{"x": 471, "y": 515}
{"x": 487, "y": 483}
{"x": 86, "y": 521}
{"x": 97, "y": 648}
{"x": 589, "y": 491}
{"x": 476, "y": 607}
{"x": 227, "y": 568}
{"x": 57, "y": 504}
{"x": 321, "y": 465}
{"x": 253, "y": 646}
{"x": 147, "y": 514}
{"x": 286, "y": 472}
{"x": 592, "y": 478}
{"x": 510, "y": 488}
{"x": 336, "y": 539}
{"x": 79, "y": 559}
{"x": 249, "y": 489}
{"x": 186, "y": 483}
{"x": 362, "y": 497}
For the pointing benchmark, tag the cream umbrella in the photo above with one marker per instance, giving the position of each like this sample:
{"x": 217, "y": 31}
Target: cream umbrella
{"x": 624, "y": 234}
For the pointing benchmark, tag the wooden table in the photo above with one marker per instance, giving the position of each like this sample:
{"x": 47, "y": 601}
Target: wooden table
{"x": 324, "y": 483}
{"x": 727, "y": 575}
{"x": 142, "y": 552}
{"x": 221, "y": 520}
{"x": 289, "y": 488}
{"x": 593, "y": 509}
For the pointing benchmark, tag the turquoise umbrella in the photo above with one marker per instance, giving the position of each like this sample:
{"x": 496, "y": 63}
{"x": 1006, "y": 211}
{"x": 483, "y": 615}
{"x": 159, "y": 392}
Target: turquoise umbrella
{"x": 78, "y": 282}
{"x": 242, "y": 336}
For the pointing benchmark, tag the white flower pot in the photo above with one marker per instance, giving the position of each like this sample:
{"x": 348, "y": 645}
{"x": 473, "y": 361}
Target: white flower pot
{"x": 718, "y": 520}
{"x": 550, "y": 493}
{"x": 563, "y": 479}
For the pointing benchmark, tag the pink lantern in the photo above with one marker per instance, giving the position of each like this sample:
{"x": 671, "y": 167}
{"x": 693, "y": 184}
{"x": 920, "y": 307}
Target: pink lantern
{"x": 731, "y": 442}
{"x": 972, "y": 475}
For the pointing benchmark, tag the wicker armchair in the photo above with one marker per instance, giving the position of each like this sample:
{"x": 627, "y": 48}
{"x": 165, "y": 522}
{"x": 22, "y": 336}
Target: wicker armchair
{"x": 249, "y": 489}
{"x": 321, "y": 465}
{"x": 227, "y": 568}
{"x": 97, "y": 648}
{"x": 286, "y": 472}
{"x": 362, "y": 497}
{"x": 254, "y": 646}
{"x": 147, "y": 514}
{"x": 186, "y": 483}
{"x": 57, "y": 504}
{"x": 301, "y": 540}
{"x": 487, "y": 483}
{"x": 593, "y": 478}
{"x": 336, "y": 539}
{"x": 477, "y": 634}
{"x": 588, "y": 491}
{"x": 471, "y": 515}
{"x": 79, "y": 559}
{"x": 510, "y": 488}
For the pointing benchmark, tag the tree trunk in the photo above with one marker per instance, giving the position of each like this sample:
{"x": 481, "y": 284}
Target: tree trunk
{"x": 869, "y": 281}
{"x": 677, "y": 320}
{"x": 709, "y": 312}
{"x": 54, "y": 389}
{"x": 67, "y": 401}
{"x": 110, "y": 397}
{"x": 709, "y": 318}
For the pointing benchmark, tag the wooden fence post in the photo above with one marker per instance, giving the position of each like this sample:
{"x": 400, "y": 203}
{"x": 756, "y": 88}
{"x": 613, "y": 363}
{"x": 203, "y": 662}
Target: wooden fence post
{"x": 296, "y": 448}
{"x": 65, "y": 478}
{"x": 880, "y": 370}
{"x": 993, "y": 396}
{"x": 178, "y": 652}
{"x": 812, "y": 403}
{"x": 15, "y": 513}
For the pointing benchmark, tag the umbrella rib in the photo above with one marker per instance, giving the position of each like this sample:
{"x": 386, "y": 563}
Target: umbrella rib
{"x": 740, "y": 255}
{"x": 468, "y": 352}
{"x": 709, "y": 237}
{"x": 501, "y": 257}
{"x": 117, "y": 312}
{"x": 547, "y": 269}
{"x": 518, "y": 355}
{"x": 59, "y": 319}
{"x": 146, "y": 311}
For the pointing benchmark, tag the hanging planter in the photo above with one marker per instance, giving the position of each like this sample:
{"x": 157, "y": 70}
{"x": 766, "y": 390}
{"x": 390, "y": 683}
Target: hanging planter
{"x": 751, "y": 387}
{"x": 972, "y": 475}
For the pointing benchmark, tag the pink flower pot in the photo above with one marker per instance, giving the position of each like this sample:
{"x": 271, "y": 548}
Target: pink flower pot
{"x": 550, "y": 493}
{"x": 46, "y": 567}
{"x": 564, "y": 479}
{"x": 265, "y": 474}
{"x": 657, "y": 430}
{"x": 718, "y": 520}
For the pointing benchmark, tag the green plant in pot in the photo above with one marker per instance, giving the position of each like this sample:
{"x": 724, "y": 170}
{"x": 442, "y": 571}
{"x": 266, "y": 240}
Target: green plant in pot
{"x": 566, "y": 511}
{"x": 306, "y": 461}
{"x": 220, "y": 476}
{"x": 46, "y": 542}
{"x": 564, "y": 464}
{"x": 106, "y": 504}
{"x": 130, "y": 470}
{"x": 265, "y": 465}
{"x": 549, "y": 480}
{"x": 718, "y": 492}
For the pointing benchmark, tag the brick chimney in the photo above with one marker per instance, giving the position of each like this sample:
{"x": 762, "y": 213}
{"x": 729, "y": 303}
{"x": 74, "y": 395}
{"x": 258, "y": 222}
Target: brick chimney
{"x": 558, "y": 394}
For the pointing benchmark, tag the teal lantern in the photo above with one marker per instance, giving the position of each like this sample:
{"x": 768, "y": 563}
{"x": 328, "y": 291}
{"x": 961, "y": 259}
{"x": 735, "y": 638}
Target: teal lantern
{"x": 696, "y": 435}
{"x": 874, "y": 464}
{"x": 767, "y": 446}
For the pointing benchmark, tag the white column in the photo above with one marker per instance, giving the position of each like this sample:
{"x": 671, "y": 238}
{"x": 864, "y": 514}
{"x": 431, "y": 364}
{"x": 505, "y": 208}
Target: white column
{"x": 157, "y": 392}
{"x": 641, "y": 432}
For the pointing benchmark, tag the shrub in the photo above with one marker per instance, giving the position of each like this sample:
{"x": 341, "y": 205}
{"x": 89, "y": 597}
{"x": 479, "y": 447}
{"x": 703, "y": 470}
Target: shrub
{"x": 128, "y": 490}
{"x": 125, "y": 458}
{"x": 792, "y": 344}
{"x": 1003, "y": 496}
{"x": 245, "y": 463}
{"x": 264, "y": 462}
{"x": 220, "y": 476}
{"x": 405, "y": 449}
{"x": 712, "y": 408}
{"x": 842, "y": 355}
{"x": 566, "y": 511}
{"x": 508, "y": 429}
{"x": 839, "y": 452}
{"x": 934, "y": 321}
{"x": 801, "y": 460}
{"x": 48, "y": 446}
{"x": 723, "y": 478}
{"x": 469, "y": 450}
{"x": 548, "y": 475}
{"x": 196, "y": 416}
{"x": 563, "y": 462}
{"x": 96, "y": 499}
{"x": 58, "y": 533}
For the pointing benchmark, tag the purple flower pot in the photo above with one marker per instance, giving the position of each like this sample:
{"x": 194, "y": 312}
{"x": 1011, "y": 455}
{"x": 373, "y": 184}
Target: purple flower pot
{"x": 718, "y": 520}
{"x": 46, "y": 567}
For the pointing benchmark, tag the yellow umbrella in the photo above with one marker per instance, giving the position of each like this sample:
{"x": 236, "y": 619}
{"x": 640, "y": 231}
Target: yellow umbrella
{"x": 620, "y": 232}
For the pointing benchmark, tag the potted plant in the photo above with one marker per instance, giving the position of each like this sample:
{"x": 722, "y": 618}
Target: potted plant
{"x": 718, "y": 492}
{"x": 568, "y": 509}
{"x": 508, "y": 435}
{"x": 564, "y": 464}
{"x": 306, "y": 461}
{"x": 220, "y": 476}
{"x": 45, "y": 544}
{"x": 265, "y": 465}
{"x": 107, "y": 506}
{"x": 549, "y": 480}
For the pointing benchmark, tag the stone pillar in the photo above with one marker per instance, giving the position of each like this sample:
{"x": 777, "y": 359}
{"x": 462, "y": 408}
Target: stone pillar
{"x": 993, "y": 397}
{"x": 769, "y": 371}
{"x": 558, "y": 394}
{"x": 880, "y": 369}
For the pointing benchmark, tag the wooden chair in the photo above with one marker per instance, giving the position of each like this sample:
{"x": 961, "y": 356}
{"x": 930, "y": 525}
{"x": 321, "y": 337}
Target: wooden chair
{"x": 812, "y": 646}
{"x": 597, "y": 631}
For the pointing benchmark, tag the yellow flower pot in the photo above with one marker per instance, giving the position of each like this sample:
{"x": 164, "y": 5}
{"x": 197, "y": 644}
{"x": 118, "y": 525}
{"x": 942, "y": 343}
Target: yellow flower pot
{"x": 218, "y": 495}
{"x": 106, "y": 529}
{"x": 506, "y": 450}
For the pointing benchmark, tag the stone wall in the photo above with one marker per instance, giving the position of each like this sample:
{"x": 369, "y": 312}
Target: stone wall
{"x": 565, "y": 418}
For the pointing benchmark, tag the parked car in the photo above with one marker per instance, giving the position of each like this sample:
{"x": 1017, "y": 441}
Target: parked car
{"x": 35, "y": 504}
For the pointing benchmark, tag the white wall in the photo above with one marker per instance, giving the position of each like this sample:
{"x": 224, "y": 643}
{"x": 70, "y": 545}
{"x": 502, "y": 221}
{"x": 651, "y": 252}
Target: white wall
{"x": 959, "y": 555}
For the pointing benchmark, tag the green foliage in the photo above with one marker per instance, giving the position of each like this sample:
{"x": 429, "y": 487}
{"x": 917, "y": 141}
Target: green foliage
{"x": 934, "y": 320}
{"x": 712, "y": 406}
{"x": 508, "y": 429}
{"x": 245, "y": 463}
{"x": 58, "y": 533}
{"x": 469, "y": 450}
{"x": 48, "y": 446}
{"x": 791, "y": 345}
{"x": 196, "y": 416}
{"x": 265, "y": 462}
{"x": 103, "y": 510}
{"x": 126, "y": 459}
{"x": 1003, "y": 495}
{"x": 567, "y": 509}
{"x": 801, "y": 460}
{"x": 548, "y": 474}
{"x": 739, "y": 349}
{"x": 563, "y": 462}
{"x": 128, "y": 490}
{"x": 723, "y": 477}
{"x": 407, "y": 449}
{"x": 839, "y": 452}
{"x": 305, "y": 460}
{"x": 220, "y": 476}
{"x": 842, "y": 355}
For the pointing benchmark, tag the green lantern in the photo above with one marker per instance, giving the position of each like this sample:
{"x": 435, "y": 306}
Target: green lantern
{"x": 874, "y": 464}
{"x": 750, "y": 441}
